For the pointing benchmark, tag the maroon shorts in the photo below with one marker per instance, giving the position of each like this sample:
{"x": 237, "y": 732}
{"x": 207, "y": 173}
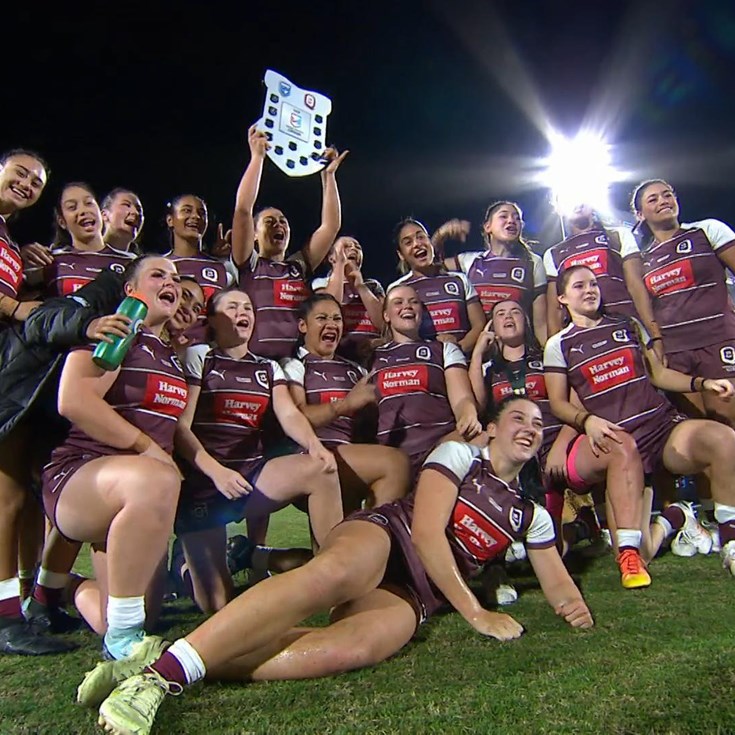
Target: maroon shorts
{"x": 714, "y": 361}
{"x": 404, "y": 574}
{"x": 54, "y": 478}
{"x": 202, "y": 507}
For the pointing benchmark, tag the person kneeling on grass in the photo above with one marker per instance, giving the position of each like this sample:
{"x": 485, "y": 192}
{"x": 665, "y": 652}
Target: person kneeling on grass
{"x": 381, "y": 572}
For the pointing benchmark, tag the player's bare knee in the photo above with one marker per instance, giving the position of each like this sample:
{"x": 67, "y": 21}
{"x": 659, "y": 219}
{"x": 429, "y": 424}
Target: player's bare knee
{"x": 625, "y": 447}
{"x": 330, "y": 577}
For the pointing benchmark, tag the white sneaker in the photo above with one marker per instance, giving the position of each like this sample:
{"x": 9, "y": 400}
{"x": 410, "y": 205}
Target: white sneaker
{"x": 693, "y": 538}
{"x": 728, "y": 557}
{"x": 713, "y": 528}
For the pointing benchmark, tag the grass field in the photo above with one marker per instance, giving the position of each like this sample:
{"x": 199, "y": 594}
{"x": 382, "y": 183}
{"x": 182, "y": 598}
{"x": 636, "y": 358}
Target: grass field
{"x": 658, "y": 661}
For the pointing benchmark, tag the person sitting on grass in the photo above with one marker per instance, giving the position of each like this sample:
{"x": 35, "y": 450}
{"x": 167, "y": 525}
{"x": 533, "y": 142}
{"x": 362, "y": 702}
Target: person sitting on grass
{"x": 381, "y": 573}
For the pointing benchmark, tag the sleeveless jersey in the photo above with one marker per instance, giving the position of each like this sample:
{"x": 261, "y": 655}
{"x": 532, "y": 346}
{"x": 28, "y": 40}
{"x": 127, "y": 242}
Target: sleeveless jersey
{"x": 686, "y": 282}
{"x": 445, "y": 297}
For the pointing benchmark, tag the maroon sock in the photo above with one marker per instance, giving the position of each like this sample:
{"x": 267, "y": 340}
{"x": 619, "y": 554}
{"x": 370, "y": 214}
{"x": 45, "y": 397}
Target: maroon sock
{"x": 48, "y": 596}
{"x": 727, "y": 532}
{"x": 675, "y": 516}
{"x": 170, "y": 669}
{"x": 10, "y": 608}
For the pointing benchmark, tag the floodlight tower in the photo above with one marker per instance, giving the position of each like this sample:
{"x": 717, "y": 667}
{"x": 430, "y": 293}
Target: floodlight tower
{"x": 578, "y": 171}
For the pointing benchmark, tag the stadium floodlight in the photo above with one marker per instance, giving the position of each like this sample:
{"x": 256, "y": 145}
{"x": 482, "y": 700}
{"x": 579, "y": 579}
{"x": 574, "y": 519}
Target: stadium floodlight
{"x": 579, "y": 170}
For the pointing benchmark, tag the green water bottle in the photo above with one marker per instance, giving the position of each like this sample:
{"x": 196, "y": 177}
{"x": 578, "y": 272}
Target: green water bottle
{"x": 108, "y": 355}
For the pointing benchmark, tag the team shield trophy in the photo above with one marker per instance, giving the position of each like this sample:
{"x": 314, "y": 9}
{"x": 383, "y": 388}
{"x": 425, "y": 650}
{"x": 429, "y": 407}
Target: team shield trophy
{"x": 295, "y": 123}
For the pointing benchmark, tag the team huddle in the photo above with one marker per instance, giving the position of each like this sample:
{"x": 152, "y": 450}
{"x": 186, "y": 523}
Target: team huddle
{"x": 430, "y": 430}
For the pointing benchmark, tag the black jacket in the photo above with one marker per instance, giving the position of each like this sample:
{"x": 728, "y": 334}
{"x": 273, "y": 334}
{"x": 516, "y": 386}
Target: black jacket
{"x": 31, "y": 353}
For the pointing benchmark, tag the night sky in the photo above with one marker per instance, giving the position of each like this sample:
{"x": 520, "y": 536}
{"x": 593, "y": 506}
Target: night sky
{"x": 442, "y": 104}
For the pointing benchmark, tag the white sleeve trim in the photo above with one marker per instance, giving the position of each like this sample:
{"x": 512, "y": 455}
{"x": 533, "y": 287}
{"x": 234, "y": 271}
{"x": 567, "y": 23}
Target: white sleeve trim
{"x": 469, "y": 289}
{"x": 718, "y": 233}
{"x": 319, "y": 283}
{"x": 553, "y": 356}
{"x": 628, "y": 245}
{"x": 455, "y": 456}
{"x": 294, "y": 370}
{"x": 541, "y": 531}
{"x": 539, "y": 272}
{"x": 549, "y": 266}
{"x": 465, "y": 260}
{"x": 453, "y": 355}
{"x": 278, "y": 373}
{"x": 194, "y": 360}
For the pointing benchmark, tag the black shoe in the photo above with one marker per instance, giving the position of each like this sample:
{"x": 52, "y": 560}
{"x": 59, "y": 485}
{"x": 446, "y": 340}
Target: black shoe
{"x": 19, "y": 638}
{"x": 46, "y": 619}
{"x": 239, "y": 553}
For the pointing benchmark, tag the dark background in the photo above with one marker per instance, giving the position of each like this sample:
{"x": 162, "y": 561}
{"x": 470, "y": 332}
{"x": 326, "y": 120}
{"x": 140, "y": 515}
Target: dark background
{"x": 442, "y": 104}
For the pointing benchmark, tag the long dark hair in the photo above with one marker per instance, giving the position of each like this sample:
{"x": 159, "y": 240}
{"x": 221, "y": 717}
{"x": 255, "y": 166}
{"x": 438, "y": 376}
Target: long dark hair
{"x": 395, "y": 239}
{"x": 520, "y": 248}
{"x": 62, "y": 237}
{"x": 531, "y": 345}
{"x": 642, "y": 231}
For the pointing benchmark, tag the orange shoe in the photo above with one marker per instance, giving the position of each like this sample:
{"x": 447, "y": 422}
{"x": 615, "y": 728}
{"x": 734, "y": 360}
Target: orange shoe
{"x": 633, "y": 572}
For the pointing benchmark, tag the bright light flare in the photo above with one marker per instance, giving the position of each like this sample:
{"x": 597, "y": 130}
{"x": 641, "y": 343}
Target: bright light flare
{"x": 579, "y": 170}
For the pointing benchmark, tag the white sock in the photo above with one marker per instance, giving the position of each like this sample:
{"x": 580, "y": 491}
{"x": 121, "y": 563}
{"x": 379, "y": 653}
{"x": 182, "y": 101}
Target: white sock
{"x": 125, "y": 612}
{"x": 9, "y": 588}
{"x": 628, "y": 537}
{"x": 191, "y": 662}
{"x": 52, "y": 580}
{"x": 668, "y": 528}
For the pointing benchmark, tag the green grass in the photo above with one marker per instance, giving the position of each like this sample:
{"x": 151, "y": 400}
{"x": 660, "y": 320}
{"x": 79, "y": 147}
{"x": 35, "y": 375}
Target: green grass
{"x": 658, "y": 661}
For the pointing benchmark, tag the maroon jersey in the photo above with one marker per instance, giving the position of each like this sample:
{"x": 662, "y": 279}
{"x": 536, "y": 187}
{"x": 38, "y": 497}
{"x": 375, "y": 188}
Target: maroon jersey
{"x": 276, "y": 289}
{"x": 524, "y": 377}
{"x": 73, "y": 269}
{"x": 234, "y": 399}
{"x": 604, "y": 365}
{"x": 445, "y": 297}
{"x": 413, "y": 408}
{"x": 326, "y": 381}
{"x": 358, "y": 327}
{"x": 686, "y": 282}
{"x": 209, "y": 272}
{"x": 11, "y": 265}
{"x": 488, "y": 515}
{"x": 150, "y": 392}
{"x": 500, "y": 278}
{"x": 603, "y": 256}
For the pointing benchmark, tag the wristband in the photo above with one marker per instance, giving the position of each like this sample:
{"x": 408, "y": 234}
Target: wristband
{"x": 579, "y": 425}
{"x": 142, "y": 443}
{"x": 693, "y": 385}
{"x": 584, "y": 422}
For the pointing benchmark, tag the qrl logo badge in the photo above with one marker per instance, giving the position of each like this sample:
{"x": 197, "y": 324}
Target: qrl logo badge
{"x": 117, "y": 267}
{"x": 451, "y": 288}
{"x": 209, "y": 273}
{"x": 685, "y": 246}
{"x": 518, "y": 274}
{"x": 423, "y": 353}
{"x": 261, "y": 377}
{"x": 621, "y": 335}
{"x": 727, "y": 355}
